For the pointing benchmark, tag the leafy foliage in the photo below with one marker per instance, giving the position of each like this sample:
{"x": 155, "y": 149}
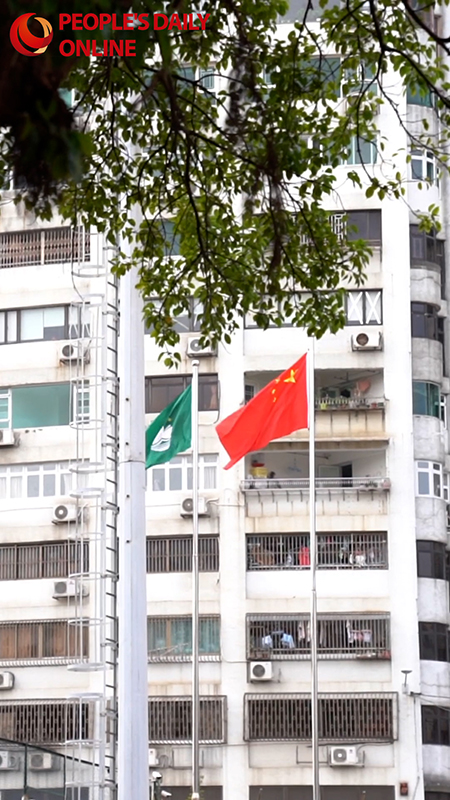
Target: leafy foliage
{"x": 246, "y": 171}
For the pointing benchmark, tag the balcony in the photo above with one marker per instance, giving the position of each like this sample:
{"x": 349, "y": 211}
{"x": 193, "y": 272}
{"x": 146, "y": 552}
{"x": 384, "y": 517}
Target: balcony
{"x": 291, "y": 551}
{"x": 287, "y": 637}
{"x": 350, "y": 405}
{"x": 44, "y": 246}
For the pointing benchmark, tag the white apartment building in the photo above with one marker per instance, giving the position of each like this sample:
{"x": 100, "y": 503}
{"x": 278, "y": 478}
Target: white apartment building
{"x": 382, "y": 386}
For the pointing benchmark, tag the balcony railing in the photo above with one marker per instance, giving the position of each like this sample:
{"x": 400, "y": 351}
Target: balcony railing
{"x": 334, "y": 551}
{"x": 288, "y": 636}
{"x": 45, "y": 246}
{"x": 323, "y": 485}
{"x": 350, "y": 403}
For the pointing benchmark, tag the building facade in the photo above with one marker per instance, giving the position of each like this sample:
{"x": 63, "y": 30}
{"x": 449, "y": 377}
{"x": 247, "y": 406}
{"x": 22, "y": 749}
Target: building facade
{"x": 382, "y": 386}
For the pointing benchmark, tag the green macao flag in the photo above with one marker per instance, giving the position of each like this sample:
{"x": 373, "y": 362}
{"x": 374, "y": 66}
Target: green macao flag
{"x": 171, "y": 431}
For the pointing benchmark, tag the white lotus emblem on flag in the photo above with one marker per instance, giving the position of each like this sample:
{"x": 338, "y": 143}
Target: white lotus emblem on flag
{"x": 162, "y": 440}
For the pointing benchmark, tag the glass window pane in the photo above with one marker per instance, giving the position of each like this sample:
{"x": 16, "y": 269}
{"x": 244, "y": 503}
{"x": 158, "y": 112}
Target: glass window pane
{"x": 54, "y": 323}
{"x": 355, "y": 307}
{"x": 175, "y": 479}
{"x": 437, "y": 490}
{"x": 33, "y": 486}
{"x": 424, "y": 483}
{"x": 15, "y": 487}
{"x": 41, "y": 406}
{"x": 49, "y": 485}
{"x": 2, "y": 327}
{"x": 11, "y": 326}
{"x": 32, "y": 324}
{"x": 158, "y": 480}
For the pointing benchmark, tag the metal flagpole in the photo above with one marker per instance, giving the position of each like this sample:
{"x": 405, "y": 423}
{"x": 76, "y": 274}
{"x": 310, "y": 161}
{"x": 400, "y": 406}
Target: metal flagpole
{"x": 132, "y": 749}
{"x": 195, "y": 592}
{"x": 313, "y": 564}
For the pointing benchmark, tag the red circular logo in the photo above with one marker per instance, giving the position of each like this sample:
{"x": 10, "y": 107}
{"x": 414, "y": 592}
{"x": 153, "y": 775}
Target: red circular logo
{"x": 24, "y": 41}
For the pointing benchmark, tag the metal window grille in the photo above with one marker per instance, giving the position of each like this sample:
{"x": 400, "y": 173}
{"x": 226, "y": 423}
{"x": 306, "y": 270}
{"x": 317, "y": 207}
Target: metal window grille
{"x": 338, "y": 224}
{"x": 167, "y": 554}
{"x": 288, "y": 636}
{"x": 334, "y": 550}
{"x": 47, "y": 246}
{"x": 44, "y": 640}
{"x": 170, "y": 720}
{"x": 354, "y": 717}
{"x": 45, "y": 722}
{"x": 43, "y": 560}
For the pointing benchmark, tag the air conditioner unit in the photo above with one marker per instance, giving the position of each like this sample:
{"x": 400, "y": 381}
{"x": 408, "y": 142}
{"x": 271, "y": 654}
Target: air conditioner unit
{"x": 9, "y": 760}
{"x": 69, "y": 588}
{"x": 7, "y": 437}
{"x": 194, "y": 350}
{"x": 65, "y": 511}
{"x": 261, "y": 671}
{"x": 367, "y": 340}
{"x": 6, "y": 680}
{"x": 71, "y": 353}
{"x": 153, "y": 760}
{"x": 187, "y": 507}
{"x": 42, "y": 761}
{"x": 345, "y": 757}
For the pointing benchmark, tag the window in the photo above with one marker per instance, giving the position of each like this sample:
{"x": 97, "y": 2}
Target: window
{"x": 170, "y": 719}
{"x": 171, "y": 238}
{"x": 26, "y": 561}
{"x": 35, "y": 480}
{"x": 419, "y": 96}
{"x": 323, "y": 72}
{"x": 429, "y": 479}
{"x": 431, "y": 560}
{"x": 433, "y": 641}
{"x": 423, "y": 165}
{"x": 176, "y": 474}
{"x": 48, "y": 639}
{"x": 364, "y": 225}
{"x": 45, "y": 721}
{"x": 424, "y": 321}
{"x": 426, "y": 399}
{"x": 44, "y": 246}
{"x": 426, "y": 247}
{"x": 363, "y": 80}
{"x": 363, "y": 308}
{"x": 343, "y": 550}
{"x": 288, "y": 636}
{"x": 47, "y": 323}
{"x": 170, "y": 638}
{"x": 207, "y": 79}
{"x": 342, "y": 717}
{"x": 435, "y": 725}
{"x": 361, "y": 151}
{"x": 190, "y": 321}
{"x": 160, "y": 391}
{"x": 48, "y": 404}
{"x": 165, "y": 554}
{"x": 441, "y": 336}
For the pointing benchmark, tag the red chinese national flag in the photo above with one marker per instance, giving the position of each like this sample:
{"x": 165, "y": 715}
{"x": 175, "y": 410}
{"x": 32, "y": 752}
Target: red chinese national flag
{"x": 277, "y": 410}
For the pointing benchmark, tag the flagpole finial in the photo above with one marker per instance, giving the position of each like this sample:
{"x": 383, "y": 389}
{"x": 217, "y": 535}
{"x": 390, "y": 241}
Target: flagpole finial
{"x": 195, "y": 362}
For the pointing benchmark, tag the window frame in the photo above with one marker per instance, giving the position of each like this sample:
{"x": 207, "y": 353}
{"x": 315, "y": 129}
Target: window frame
{"x": 430, "y": 402}
{"x": 180, "y": 383}
{"x": 434, "y": 642}
{"x": 76, "y": 391}
{"x": 165, "y": 627}
{"x": 435, "y": 554}
{"x": 439, "y": 720}
{"x": 432, "y": 469}
{"x": 41, "y": 634}
{"x": 368, "y": 308}
{"x": 426, "y": 161}
{"x": 175, "y": 719}
{"x": 354, "y": 155}
{"x": 167, "y": 473}
{"x": 55, "y": 559}
{"x": 61, "y": 473}
{"x": 19, "y": 311}
{"x": 424, "y": 321}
